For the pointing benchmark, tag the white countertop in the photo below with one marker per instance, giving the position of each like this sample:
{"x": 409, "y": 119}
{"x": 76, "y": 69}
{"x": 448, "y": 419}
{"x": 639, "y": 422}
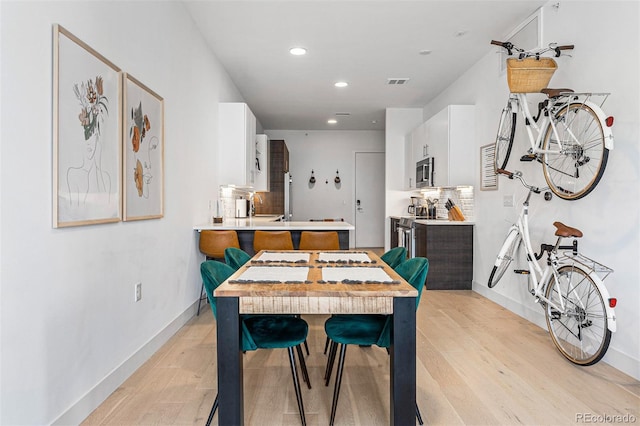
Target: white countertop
{"x": 437, "y": 221}
{"x": 268, "y": 223}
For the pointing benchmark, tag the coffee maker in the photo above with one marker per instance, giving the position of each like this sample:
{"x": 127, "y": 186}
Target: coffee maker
{"x": 416, "y": 208}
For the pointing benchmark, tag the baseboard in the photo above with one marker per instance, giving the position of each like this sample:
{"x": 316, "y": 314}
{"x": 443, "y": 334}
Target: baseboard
{"x": 615, "y": 358}
{"x": 96, "y": 396}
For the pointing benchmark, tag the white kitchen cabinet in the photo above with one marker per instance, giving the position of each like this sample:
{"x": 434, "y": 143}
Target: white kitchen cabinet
{"x": 261, "y": 181}
{"x": 409, "y": 182}
{"x": 450, "y": 136}
{"x": 236, "y": 144}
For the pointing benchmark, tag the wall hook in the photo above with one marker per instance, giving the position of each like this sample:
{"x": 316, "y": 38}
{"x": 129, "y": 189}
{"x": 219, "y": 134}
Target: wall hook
{"x": 337, "y": 178}
{"x": 312, "y": 179}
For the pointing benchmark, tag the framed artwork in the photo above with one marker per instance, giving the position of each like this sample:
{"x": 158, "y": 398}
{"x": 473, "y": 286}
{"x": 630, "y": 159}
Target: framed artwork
{"x": 87, "y": 127}
{"x": 143, "y": 145}
{"x": 488, "y": 176}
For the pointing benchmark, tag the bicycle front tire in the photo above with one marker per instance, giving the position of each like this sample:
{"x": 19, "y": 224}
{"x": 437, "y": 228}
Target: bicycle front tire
{"x": 580, "y": 332}
{"x": 505, "y": 257}
{"x": 578, "y": 164}
{"x": 504, "y": 138}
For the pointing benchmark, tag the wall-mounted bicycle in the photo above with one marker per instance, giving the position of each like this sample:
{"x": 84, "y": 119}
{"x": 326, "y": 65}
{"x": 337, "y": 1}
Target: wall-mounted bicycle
{"x": 570, "y": 135}
{"x": 570, "y": 286}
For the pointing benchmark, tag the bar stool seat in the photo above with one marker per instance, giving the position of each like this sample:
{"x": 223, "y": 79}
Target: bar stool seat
{"x": 272, "y": 240}
{"x": 319, "y": 240}
{"x": 213, "y": 244}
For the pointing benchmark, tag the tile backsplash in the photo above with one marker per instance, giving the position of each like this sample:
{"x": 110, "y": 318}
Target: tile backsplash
{"x": 462, "y": 196}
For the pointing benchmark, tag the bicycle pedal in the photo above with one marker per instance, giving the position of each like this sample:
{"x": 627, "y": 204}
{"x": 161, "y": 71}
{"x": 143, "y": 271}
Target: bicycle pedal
{"x": 528, "y": 157}
{"x": 522, "y": 271}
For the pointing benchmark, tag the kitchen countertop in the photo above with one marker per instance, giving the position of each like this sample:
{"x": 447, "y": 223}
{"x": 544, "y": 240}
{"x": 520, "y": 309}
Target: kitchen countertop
{"x": 437, "y": 221}
{"x": 270, "y": 223}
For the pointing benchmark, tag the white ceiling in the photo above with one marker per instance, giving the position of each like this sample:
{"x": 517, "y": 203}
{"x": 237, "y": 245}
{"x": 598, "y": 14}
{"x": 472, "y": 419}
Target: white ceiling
{"x": 359, "y": 41}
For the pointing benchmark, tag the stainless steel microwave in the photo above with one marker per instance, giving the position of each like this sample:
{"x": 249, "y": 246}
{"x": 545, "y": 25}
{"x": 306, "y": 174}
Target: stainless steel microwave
{"x": 424, "y": 173}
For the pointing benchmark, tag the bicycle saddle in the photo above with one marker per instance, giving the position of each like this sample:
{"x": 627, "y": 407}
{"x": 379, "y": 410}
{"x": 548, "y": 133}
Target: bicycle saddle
{"x": 563, "y": 230}
{"x": 554, "y": 93}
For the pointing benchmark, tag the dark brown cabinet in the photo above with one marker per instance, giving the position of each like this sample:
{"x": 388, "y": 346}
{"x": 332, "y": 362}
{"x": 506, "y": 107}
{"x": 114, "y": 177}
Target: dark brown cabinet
{"x": 272, "y": 202}
{"x": 394, "y": 232}
{"x": 449, "y": 249}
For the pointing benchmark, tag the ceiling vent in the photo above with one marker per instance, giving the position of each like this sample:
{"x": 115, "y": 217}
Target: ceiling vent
{"x": 343, "y": 114}
{"x": 397, "y": 81}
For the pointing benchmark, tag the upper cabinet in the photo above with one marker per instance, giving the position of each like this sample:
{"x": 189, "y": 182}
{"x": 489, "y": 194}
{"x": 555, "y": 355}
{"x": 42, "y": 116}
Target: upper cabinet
{"x": 261, "y": 181}
{"x": 449, "y": 138}
{"x": 236, "y": 145}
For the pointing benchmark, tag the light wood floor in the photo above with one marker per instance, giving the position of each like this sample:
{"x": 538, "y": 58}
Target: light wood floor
{"x": 478, "y": 364}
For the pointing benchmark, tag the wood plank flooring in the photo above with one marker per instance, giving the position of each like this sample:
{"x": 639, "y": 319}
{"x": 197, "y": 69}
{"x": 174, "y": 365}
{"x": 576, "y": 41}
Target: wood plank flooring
{"x": 477, "y": 364}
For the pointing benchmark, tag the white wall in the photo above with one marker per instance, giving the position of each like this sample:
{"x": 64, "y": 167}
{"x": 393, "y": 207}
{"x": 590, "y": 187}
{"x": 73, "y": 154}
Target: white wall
{"x": 324, "y": 152}
{"x": 70, "y": 330}
{"x": 605, "y": 59}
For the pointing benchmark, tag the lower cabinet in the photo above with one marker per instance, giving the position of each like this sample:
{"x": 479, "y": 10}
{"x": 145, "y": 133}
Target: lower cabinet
{"x": 449, "y": 249}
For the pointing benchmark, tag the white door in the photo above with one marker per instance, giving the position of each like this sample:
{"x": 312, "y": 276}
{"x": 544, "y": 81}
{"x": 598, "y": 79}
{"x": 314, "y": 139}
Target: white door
{"x": 369, "y": 201}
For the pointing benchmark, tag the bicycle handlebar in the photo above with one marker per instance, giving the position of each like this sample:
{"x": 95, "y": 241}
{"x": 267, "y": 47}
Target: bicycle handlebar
{"x": 510, "y": 47}
{"x": 518, "y": 175}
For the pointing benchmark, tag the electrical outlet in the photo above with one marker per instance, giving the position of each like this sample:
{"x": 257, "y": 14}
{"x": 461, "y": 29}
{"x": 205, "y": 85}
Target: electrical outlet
{"x": 507, "y": 200}
{"x": 138, "y": 291}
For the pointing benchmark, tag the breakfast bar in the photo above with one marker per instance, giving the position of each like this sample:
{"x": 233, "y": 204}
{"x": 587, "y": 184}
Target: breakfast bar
{"x": 245, "y": 229}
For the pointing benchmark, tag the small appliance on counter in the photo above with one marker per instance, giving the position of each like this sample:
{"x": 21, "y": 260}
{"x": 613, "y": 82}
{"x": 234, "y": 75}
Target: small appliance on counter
{"x": 242, "y": 207}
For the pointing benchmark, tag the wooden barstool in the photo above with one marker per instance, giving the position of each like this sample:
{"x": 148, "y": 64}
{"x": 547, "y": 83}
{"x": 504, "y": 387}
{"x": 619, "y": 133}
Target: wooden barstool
{"x": 212, "y": 245}
{"x": 319, "y": 240}
{"x": 272, "y": 240}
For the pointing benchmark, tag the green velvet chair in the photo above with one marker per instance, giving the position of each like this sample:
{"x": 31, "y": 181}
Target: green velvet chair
{"x": 235, "y": 257}
{"x": 367, "y": 330}
{"x": 261, "y": 331}
{"x": 395, "y": 256}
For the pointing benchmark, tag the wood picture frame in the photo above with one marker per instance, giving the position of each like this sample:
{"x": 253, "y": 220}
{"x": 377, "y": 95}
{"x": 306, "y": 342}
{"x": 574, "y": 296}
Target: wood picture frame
{"x": 87, "y": 126}
{"x": 143, "y": 147}
{"x": 488, "y": 176}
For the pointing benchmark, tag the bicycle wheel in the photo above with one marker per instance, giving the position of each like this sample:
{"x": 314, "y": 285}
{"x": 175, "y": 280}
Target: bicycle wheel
{"x": 505, "y": 256}
{"x": 580, "y": 332}
{"x": 581, "y": 156}
{"x": 504, "y": 138}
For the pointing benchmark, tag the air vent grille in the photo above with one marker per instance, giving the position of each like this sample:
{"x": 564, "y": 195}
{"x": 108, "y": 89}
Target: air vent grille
{"x": 343, "y": 114}
{"x": 397, "y": 81}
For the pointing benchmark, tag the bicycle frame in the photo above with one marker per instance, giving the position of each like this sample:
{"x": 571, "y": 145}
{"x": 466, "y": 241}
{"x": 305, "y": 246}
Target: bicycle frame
{"x": 540, "y": 277}
{"x": 520, "y": 105}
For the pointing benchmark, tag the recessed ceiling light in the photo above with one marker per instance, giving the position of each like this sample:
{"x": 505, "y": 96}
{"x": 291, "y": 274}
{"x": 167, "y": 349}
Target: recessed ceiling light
{"x": 341, "y": 84}
{"x": 298, "y": 51}
{"x": 332, "y": 121}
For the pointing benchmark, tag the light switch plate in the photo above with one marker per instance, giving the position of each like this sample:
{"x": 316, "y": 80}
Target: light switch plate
{"x": 507, "y": 200}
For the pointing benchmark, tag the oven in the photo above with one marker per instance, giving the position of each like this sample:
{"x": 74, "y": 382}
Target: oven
{"x": 406, "y": 235}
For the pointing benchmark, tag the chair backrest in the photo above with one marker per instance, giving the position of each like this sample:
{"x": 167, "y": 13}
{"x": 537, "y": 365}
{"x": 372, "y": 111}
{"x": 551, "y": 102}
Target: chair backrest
{"x": 272, "y": 240}
{"x": 414, "y": 271}
{"x": 319, "y": 240}
{"x": 395, "y": 256}
{"x": 235, "y": 257}
{"x": 213, "y": 243}
{"x": 213, "y": 274}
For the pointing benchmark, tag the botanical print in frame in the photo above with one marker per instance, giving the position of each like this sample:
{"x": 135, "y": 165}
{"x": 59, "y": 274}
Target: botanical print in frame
{"x": 143, "y": 142}
{"x": 86, "y": 134}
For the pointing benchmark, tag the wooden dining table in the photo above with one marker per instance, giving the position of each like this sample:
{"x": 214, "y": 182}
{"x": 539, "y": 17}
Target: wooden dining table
{"x": 316, "y": 282}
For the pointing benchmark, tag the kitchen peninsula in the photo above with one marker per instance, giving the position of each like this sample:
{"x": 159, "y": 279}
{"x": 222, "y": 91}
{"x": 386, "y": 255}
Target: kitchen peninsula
{"x": 246, "y": 227}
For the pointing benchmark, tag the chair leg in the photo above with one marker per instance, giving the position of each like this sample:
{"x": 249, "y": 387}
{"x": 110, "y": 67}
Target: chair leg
{"x": 306, "y": 347}
{"x": 213, "y": 410}
{"x": 418, "y": 415}
{"x": 330, "y": 360}
{"x": 200, "y": 298}
{"x": 296, "y": 385}
{"x": 303, "y": 366}
{"x": 336, "y": 390}
{"x": 326, "y": 345}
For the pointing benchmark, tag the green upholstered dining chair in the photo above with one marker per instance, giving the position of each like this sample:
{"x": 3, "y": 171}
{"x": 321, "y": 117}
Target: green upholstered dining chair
{"x": 367, "y": 330}
{"x": 236, "y": 257}
{"x": 261, "y": 331}
{"x": 395, "y": 256}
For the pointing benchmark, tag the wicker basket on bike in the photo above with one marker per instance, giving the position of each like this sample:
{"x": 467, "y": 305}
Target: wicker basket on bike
{"x": 529, "y": 75}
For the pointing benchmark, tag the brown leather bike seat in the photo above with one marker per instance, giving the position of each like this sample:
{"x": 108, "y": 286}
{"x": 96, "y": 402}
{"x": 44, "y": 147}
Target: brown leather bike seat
{"x": 563, "y": 230}
{"x": 553, "y": 93}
